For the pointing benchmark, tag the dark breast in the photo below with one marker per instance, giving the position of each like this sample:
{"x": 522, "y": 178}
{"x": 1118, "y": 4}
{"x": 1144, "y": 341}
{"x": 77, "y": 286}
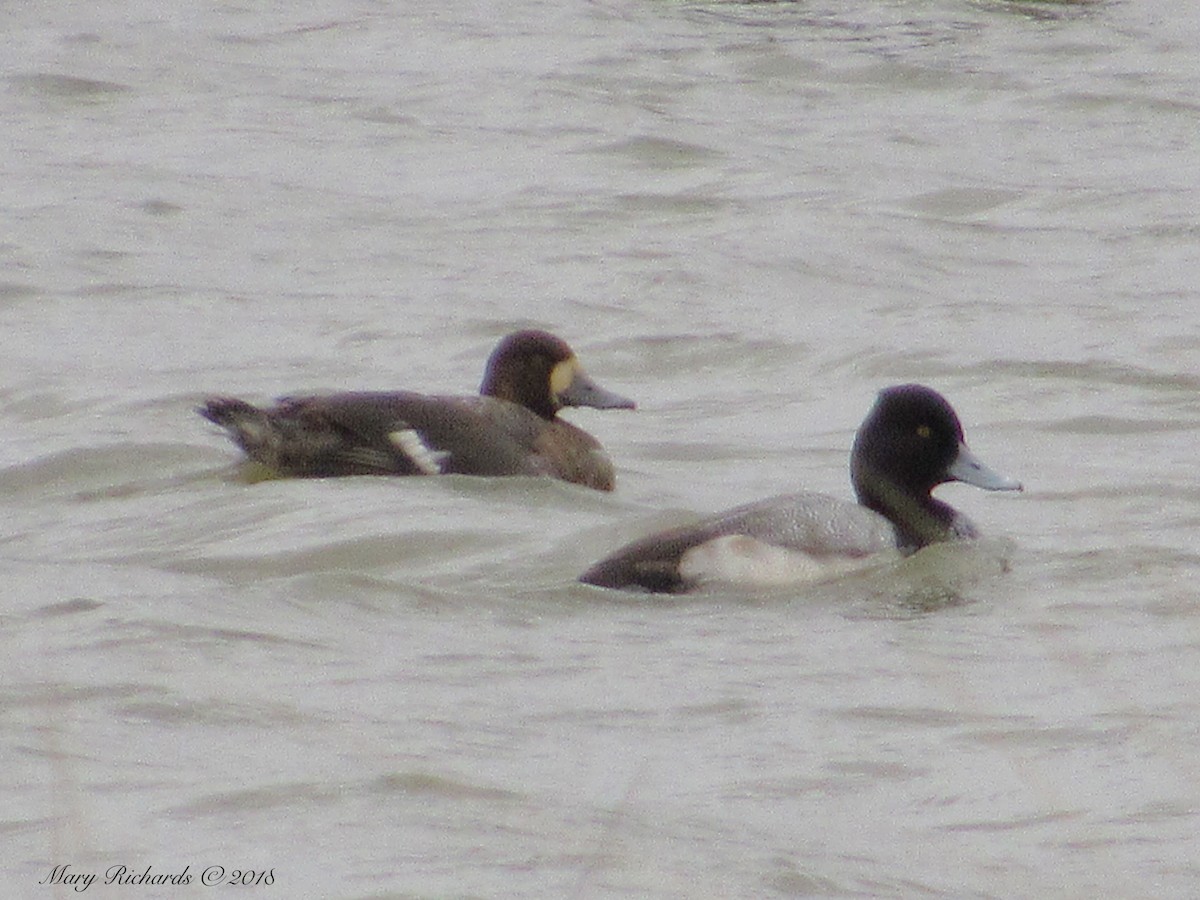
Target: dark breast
{"x": 573, "y": 455}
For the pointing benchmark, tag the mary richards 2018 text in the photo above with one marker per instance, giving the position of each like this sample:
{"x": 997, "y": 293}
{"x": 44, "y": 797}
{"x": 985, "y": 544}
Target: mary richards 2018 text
{"x": 209, "y": 876}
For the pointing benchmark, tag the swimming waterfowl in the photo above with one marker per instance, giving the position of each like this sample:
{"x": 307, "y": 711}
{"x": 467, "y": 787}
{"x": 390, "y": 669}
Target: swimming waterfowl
{"x": 910, "y": 442}
{"x": 511, "y": 428}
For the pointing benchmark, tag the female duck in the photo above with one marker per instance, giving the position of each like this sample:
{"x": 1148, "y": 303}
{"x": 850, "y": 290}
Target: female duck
{"x": 911, "y": 442}
{"x": 511, "y": 428}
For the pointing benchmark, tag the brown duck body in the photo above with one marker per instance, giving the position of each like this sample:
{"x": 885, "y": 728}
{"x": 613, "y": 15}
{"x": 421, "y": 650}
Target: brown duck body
{"x": 511, "y": 428}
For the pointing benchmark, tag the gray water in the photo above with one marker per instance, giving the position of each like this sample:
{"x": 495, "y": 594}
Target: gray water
{"x": 749, "y": 217}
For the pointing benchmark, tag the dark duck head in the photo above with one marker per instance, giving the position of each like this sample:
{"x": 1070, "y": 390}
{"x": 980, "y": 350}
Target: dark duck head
{"x": 540, "y": 372}
{"x": 911, "y": 442}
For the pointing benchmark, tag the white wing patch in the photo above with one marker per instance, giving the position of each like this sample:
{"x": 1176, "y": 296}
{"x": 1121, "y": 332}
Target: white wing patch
{"x": 427, "y": 460}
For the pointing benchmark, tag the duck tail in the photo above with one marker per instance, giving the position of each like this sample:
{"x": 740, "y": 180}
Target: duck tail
{"x": 248, "y": 425}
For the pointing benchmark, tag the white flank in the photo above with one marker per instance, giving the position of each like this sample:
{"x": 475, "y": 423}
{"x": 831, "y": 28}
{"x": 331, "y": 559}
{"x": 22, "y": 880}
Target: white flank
{"x": 424, "y": 457}
{"x": 741, "y": 559}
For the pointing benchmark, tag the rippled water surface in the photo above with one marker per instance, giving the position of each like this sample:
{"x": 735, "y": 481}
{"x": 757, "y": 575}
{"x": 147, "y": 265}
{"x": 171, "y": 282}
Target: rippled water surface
{"x": 749, "y": 217}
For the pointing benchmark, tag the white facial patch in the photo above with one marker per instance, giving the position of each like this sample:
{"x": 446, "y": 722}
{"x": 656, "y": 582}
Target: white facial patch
{"x": 741, "y": 559}
{"x": 562, "y": 375}
{"x": 427, "y": 460}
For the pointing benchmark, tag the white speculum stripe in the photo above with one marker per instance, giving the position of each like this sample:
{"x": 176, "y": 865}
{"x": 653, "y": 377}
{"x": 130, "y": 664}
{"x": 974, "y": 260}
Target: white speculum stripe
{"x": 424, "y": 457}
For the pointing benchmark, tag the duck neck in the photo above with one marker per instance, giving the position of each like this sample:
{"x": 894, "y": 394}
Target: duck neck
{"x": 917, "y": 517}
{"x": 520, "y": 391}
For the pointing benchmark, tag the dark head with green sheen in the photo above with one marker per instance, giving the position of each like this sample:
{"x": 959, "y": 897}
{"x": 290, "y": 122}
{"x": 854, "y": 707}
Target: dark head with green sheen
{"x": 911, "y": 442}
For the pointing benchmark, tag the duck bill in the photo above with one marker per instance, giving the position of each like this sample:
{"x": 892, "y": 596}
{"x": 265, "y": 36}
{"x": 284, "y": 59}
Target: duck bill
{"x": 582, "y": 391}
{"x": 970, "y": 469}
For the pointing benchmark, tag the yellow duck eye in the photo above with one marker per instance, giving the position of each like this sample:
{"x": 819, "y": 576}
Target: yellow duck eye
{"x": 923, "y": 431}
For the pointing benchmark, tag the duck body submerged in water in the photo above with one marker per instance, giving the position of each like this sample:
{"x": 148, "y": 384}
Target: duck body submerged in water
{"x": 511, "y": 428}
{"x": 910, "y": 442}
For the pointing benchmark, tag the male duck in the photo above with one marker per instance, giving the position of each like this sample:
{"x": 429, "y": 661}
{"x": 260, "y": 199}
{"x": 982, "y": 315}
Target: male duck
{"x": 512, "y": 428}
{"x": 911, "y": 442}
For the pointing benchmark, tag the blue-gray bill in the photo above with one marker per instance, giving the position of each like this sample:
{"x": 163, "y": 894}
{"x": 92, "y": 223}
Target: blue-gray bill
{"x": 582, "y": 391}
{"x": 970, "y": 469}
